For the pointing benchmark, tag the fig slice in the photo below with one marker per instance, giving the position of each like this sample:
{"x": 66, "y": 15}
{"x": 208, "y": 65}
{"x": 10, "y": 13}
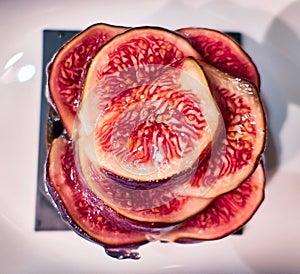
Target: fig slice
{"x": 162, "y": 202}
{"x": 236, "y": 152}
{"x": 223, "y": 52}
{"x": 151, "y": 132}
{"x": 67, "y": 70}
{"x": 225, "y": 215}
{"x": 137, "y": 93}
{"x": 81, "y": 210}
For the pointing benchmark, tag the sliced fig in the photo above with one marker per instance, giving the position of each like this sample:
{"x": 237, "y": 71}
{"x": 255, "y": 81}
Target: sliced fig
{"x": 128, "y": 75}
{"x": 223, "y": 52}
{"x": 69, "y": 66}
{"x": 115, "y": 137}
{"x": 151, "y": 132}
{"x": 226, "y": 214}
{"x": 236, "y": 153}
{"x": 84, "y": 213}
{"x": 165, "y": 135}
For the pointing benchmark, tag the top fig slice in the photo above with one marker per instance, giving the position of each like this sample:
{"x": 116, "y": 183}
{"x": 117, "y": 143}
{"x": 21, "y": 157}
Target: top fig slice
{"x": 223, "y": 52}
{"x": 68, "y": 68}
{"x": 146, "y": 108}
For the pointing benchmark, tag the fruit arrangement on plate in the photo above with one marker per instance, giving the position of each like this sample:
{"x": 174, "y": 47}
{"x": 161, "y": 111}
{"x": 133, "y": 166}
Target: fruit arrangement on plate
{"x": 163, "y": 136}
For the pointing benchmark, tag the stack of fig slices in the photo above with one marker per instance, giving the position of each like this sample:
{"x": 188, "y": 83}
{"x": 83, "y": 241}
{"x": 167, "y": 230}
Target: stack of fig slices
{"x": 163, "y": 136}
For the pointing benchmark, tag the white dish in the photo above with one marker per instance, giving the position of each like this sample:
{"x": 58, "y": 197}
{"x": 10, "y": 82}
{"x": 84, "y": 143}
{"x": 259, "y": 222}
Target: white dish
{"x": 271, "y": 35}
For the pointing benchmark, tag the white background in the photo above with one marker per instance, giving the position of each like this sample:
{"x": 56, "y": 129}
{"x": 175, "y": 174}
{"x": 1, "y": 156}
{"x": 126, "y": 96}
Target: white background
{"x": 271, "y": 241}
